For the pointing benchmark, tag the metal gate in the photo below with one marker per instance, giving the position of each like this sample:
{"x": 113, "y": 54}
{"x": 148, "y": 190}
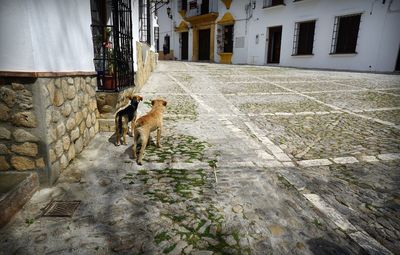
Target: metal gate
{"x": 113, "y": 51}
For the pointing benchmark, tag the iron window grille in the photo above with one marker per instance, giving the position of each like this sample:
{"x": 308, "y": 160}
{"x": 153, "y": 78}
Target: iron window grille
{"x": 303, "y": 41}
{"x": 228, "y": 38}
{"x": 166, "y": 45}
{"x": 271, "y": 3}
{"x": 157, "y": 38}
{"x": 112, "y": 43}
{"x": 182, "y": 5}
{"x": 225, "y": 38}
{"x": 206, "y": 6}
{"x": 144, "y": 21}
{"x": 345, "y": 34}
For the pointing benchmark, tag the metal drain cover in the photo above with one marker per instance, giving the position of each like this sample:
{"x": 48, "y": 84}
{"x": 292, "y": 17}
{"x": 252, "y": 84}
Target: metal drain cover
{"x": 60, "y": 208}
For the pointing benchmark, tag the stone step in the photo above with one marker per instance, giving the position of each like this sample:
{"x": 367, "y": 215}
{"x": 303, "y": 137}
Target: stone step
{"x": 15, "y": 190}
{"x": 106, "y": 125}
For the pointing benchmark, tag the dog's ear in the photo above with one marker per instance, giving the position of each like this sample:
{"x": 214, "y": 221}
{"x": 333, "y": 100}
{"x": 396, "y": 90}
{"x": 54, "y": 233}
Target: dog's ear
{"x": 153, "y": 101}
{"x": 139, "y": 98}
{"x": 129, "y": 97}
{"x": 164, "y": 103}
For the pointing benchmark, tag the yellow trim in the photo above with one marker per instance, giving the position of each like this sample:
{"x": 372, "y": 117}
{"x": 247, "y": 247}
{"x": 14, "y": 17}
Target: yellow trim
{"x": 206, "y": 21}
{"x": 182, "y": 13}
{"x": 227, "y": 19}
{"x": 227, "y": 3}
{"x": 225, "y": 58}
{"x": 183, "y": 27}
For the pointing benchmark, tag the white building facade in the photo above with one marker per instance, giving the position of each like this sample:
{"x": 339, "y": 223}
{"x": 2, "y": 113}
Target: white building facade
{"x": 355, "y": 35}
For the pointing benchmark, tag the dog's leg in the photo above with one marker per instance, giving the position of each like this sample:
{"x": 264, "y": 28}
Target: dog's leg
{"x": 117, "y": 142}
{"x": 144, "y": 138}
{"x": 135, "y": 142}
{"x": 124, "y": 135}
{"x": 132, "y": 126}
{"x": 159, "y": 137}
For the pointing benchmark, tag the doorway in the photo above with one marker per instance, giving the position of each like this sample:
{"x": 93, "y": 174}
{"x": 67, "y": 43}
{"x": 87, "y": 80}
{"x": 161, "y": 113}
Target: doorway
{"x": 185, "y": 45}
{"x": 204, "y": 44}
{"x": 397, "y": 68}
{"x": 274, "y": 44}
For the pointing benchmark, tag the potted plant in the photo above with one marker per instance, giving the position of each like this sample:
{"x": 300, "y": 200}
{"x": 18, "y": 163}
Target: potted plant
{"x": 109, "y": 72}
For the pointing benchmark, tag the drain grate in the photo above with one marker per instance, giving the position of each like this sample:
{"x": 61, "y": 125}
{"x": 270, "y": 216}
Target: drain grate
{"x": 60, "y": 208}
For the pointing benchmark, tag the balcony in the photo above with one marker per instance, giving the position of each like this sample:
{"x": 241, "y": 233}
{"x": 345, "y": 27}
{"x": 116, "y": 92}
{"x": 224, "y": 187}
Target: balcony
{"x": 272, "y": 3}
{"x": 206, "y": 7}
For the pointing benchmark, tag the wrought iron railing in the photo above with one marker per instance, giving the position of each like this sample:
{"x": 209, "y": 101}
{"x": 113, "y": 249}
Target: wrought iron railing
{"x": 196, "y": 9}
{"x": 270, "y": 3}
{"x": 113, "y": 51}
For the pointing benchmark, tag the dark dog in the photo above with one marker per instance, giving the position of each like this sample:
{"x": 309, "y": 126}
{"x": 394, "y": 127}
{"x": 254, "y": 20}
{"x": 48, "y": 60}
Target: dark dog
{"x": 124, "y": 116}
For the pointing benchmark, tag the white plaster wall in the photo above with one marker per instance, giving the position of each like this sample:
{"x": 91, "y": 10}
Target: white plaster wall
{"x": 135, "y": 30}
{"x": 16, "y": 53}
{"x": 378, "y": 40}
{"x": 46, "y": 36}
{"x": 167, "y": 25}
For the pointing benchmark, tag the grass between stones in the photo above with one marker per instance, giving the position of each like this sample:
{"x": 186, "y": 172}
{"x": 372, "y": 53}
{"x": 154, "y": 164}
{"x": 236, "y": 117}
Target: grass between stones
{"x": 176, "y": 148}
{"x": 183, "y": 198}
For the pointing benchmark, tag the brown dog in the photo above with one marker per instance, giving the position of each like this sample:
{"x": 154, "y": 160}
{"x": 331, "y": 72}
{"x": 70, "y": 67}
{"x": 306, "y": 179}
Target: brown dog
{"x": 124, "y": 116}
{"x": 152, "y": 121}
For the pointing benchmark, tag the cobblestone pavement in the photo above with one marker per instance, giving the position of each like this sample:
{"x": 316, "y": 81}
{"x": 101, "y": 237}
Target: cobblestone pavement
{"x": 255, "y": 160}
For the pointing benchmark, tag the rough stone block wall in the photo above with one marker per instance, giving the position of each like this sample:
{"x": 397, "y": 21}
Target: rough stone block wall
{"x": 21, "y": 148}
{"x": 45, "y": 123}
{"x": 145, "y": 66}
{"x": 71, "y": 118}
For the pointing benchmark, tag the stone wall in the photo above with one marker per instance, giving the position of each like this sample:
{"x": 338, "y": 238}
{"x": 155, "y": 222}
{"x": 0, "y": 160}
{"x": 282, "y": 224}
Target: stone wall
{"x": 146, "y": 63}
{"x": 20, "y": 145}
{"x": 45, "y": 123}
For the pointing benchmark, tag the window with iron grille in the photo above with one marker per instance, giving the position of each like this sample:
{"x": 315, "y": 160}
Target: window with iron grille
{"x": 182, "y": 5}
{"x": 166, "y": 45}
{"x": 112, "y": 43}
{"x": 345, "y": 34}
{"x": 270, "y": 3}
{"x": 228, "y": 38}
{"x": 157, "y": 38}
{"x": 144, "y": 21}
{"x": 303, "y": 41}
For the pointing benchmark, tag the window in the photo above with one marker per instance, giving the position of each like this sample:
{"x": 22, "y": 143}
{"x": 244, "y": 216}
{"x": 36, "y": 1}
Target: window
{"x": 166, "y": 46}
{"x": 345, "y": 34}
{"x": 303, "y": 38}
{"x": 228, "y": 38}
{"x": 225, "y": 38}
{"x": 144, "y": 21}
{"x": 157, "y": 38}
{"x": 270, "y": 3}
{"x": 182, "y": 5}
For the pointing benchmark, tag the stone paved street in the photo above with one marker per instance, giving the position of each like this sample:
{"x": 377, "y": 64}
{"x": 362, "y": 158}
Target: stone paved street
{"x": 255, "y": 160}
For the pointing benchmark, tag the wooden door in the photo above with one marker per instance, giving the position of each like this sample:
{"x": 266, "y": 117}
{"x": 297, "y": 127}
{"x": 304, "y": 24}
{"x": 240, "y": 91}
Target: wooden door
{"x": 204, "y": 44}
{"x": 185, "y": 45}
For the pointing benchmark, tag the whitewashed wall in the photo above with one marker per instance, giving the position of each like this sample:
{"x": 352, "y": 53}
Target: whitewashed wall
{"x": 45, "y": 36}
{"x": 135, "y": 29}
{"x": 378, "y": 39}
